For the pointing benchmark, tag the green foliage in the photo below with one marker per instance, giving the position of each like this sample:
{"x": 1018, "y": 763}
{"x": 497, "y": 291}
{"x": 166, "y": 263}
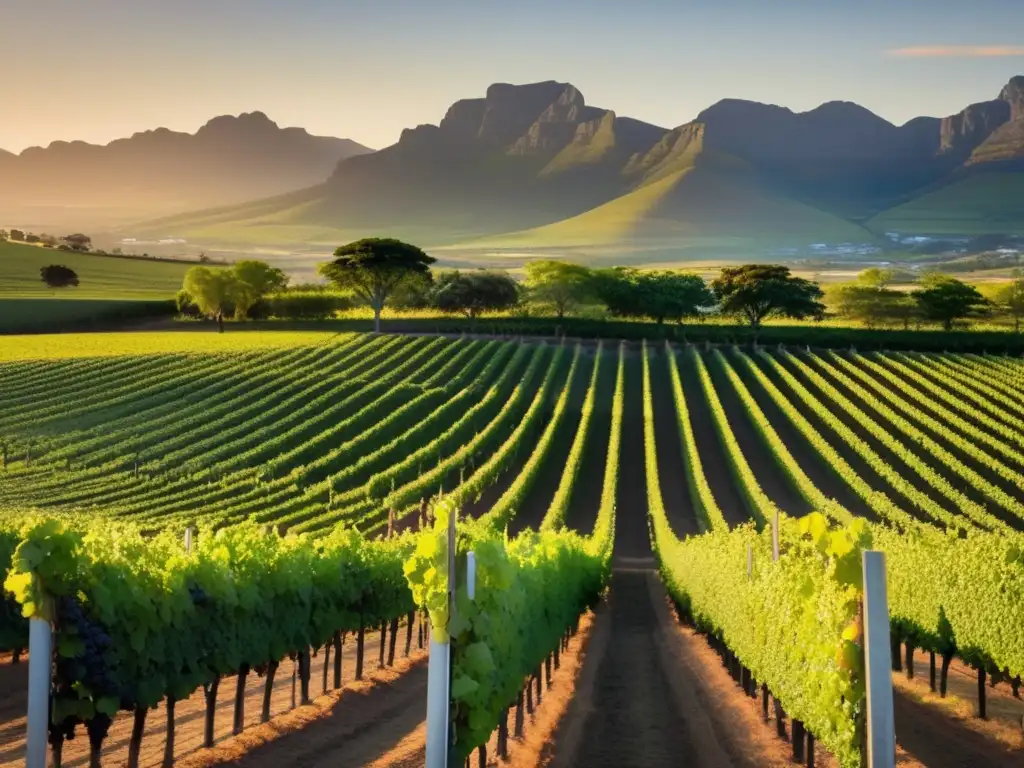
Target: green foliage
{"x": 529, "y": 591}
{"x": 945, "y": 300}
{"x": 176, "y": 620}
{"x": 657, "y": 294}
{"x": 211, "y": 289}
{"x": 794, "y": 623}
{"x": 375, "y": 267}
{"x": 58, "y": 276}
{"x": 760, "y": 291}
{"x": 1009, "y": 297}
{"x": 959, "y": 595}
{"x": 471, "y": 293}
{"x": 873, "y": 305}
{"x": 252, "y": 281}
{"x": 876, "y": 277}
{"x": 558, "y": 284}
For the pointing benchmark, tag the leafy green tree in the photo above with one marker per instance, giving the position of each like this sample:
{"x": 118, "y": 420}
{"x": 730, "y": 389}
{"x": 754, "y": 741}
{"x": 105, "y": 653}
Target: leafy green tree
{"x": 1009, "y": 297}
{"x": 947, "y": 300}
{"x": 3, "y": 234}
{"x": 657, "y": 294}
{"x": 253, "y": 281}
{"x": 374, "y": 268}
{"x": 558, "y": 284}
{"x": 471, "y": 293}
{"x": 876, "y": 277}
{"x": 757, "y": 292}
{"x": 59, "y": 276}
{"x": 17, "y": 235}
{"x": 413, "y": 293}
{"x": 212, "y": 290}
{"x": 872, "y": 305}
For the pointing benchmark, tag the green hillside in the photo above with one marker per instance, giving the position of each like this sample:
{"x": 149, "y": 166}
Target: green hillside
{"x": 982, "y": 203}
{"x": 102, "y": 277}
{"x": 693, "y": 198}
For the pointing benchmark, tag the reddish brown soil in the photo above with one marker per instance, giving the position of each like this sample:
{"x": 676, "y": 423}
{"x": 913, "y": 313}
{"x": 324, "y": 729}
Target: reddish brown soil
{"x": 189, "y": 714}
{"x": 647, "y": 696}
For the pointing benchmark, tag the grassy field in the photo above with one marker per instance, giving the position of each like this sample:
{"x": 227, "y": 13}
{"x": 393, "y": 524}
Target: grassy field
{"x": 109, "y": 286}
{"x": 65, "y": 346}
{"x": 102, "y": 277}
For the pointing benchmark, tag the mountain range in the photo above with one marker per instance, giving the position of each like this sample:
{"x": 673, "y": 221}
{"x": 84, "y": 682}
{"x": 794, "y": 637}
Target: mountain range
{"x": 228, "y": 160}
{"x": 535, "y": 167}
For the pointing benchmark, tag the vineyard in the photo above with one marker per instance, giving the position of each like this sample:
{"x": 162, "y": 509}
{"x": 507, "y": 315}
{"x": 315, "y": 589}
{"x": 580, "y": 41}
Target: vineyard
{"x": 318, "y": 472}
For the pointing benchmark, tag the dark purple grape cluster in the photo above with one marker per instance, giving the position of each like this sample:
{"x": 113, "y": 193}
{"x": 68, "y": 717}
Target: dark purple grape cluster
{"x": 90, "y": 666}
{"x": 199, "y": 596}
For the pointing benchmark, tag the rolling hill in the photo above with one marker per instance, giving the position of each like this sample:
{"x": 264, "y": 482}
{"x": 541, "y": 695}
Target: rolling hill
{"x": 688, "y": 193}
{"x": 536, "y": 166}
{"x": 228, "y": 160}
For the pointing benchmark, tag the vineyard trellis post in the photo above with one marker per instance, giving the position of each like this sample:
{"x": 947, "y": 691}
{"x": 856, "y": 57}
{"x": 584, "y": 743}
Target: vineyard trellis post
{"x": 881, "y": 727}
{"x": 40, "y": 659}
{"x": 439, "y": 676}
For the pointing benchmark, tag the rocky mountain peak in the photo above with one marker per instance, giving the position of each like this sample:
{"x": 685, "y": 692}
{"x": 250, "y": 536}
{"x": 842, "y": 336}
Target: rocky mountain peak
{"x": 1013, "y": 94}
{"x": 247, "y": 123}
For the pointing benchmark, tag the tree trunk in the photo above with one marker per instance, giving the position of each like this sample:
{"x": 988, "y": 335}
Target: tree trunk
{"x": 376, "y": 319}
{"x": 239, "y": 723}
{"x": 220, "y": 322}
{"x": 211, "y": 708}
{"x": 169, "y": 743}
{"x": 135, "y": 745}
{"x": 268, "y": 690}
{"x": 339, "y": 642}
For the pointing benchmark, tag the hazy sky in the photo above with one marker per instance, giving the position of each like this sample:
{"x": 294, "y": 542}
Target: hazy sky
{"x": 364, "y": 69}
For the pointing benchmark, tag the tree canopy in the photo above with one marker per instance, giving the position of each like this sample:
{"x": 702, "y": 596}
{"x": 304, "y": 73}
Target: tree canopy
{"x": 945, "y": 300}
{"x": 471, "y": 293}
{"x": 1010, "y": 298}
{"x": 212, "y": 291}
{"x": 657, "y": 294}
{"x": 374, "y": 268}
{"x": 872, "y": 305}
{"x": 558, "y": 284}
{"x": 58, "y": 276}
{"x": 253, "y": 281}
{"x": 757, "y": 292}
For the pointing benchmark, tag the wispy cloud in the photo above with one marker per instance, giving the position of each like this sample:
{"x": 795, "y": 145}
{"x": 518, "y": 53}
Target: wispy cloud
{"x": 958, "y": 51}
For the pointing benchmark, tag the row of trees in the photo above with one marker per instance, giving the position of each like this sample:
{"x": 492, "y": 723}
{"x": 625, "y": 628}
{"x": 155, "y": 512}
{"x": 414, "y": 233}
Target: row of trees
{"x": 382, "y": 272}
{"x": 73, "y": 242}
{"x": 938, "y": 298}
{"x": 376, "y": 269}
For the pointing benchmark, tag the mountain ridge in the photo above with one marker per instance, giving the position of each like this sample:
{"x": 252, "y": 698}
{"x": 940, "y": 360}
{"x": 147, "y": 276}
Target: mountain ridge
{"x": 522, "y": 158}
{"x": 229, "y": 159}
